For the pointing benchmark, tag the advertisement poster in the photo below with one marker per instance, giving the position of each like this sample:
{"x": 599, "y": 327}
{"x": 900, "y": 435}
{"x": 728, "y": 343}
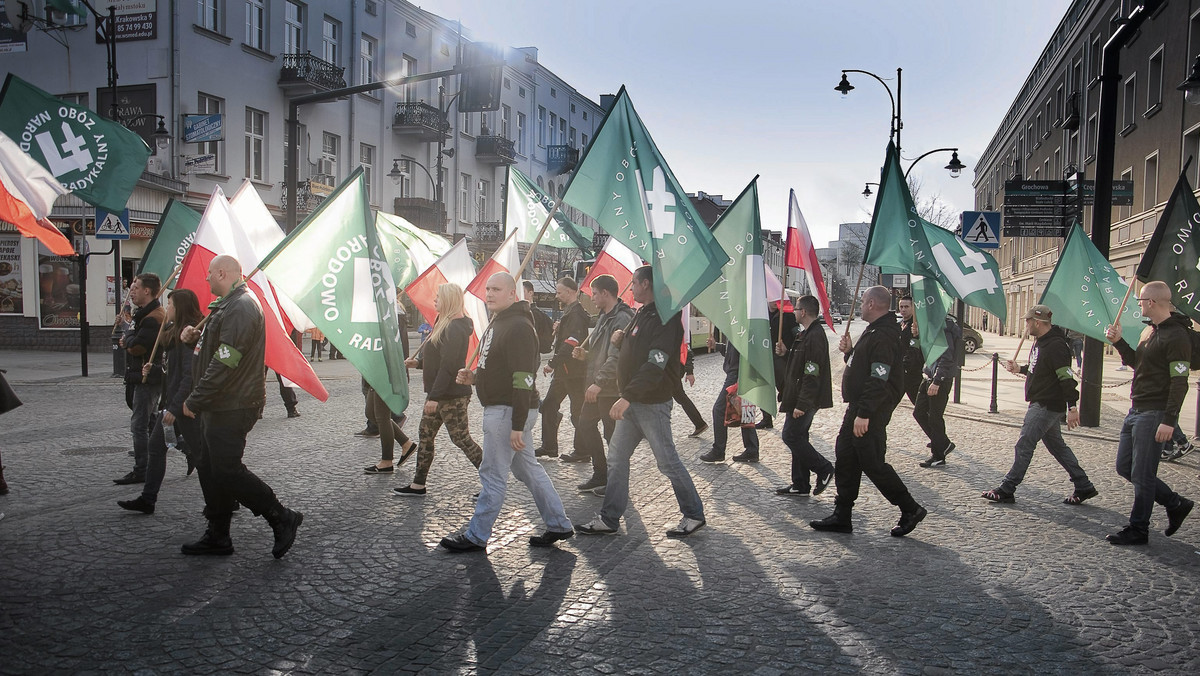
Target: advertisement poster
{"x": 11, "y": 299}
{"x": 58, "y": 291}
{"x": 11, "y": 39}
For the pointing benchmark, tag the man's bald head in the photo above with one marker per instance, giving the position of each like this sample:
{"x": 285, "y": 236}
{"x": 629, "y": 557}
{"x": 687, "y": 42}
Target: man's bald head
{"x": 223, "y": 272}
{"x": 1155, "y": 301}
{"x": 1159, "y": 292}
{"x": 501, "y": 291}
{"x": 876, "y": 301}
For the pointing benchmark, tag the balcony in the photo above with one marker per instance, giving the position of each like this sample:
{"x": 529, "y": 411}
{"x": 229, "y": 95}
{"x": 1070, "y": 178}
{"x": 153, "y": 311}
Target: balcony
{"x": 489, "y": 231}
{"x": 420, "y": 121}
{"x": 561, "y": 159}
{"x": 310, "y": 192}
{"x": 495, "y": 150}
{"x": 306, "y": 74}
{"x": 162, "y": 183}
{"x": 423, "y": 213}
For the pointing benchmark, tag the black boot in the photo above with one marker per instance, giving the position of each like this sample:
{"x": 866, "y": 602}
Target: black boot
{"x": 215, "y": 542}
{"x": 838, "y": 522}
{"x": 284, "y": 522}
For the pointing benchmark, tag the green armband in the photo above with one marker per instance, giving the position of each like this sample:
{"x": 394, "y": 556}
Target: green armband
{"x": 522, "y": 380}
{"x": 228, "y": 355}
{"x": 658, "y": 358}
{"x": 1179, "y": 368}
{"x": 1064, "y": 373}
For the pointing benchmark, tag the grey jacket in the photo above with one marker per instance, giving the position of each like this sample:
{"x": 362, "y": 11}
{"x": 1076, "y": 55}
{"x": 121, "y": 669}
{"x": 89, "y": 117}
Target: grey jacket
{"x": 602, "y": 356}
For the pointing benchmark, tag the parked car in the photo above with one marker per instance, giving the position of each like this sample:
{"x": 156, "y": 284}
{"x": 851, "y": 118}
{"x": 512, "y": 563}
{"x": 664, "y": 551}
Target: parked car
{"x": 971, "y": 339}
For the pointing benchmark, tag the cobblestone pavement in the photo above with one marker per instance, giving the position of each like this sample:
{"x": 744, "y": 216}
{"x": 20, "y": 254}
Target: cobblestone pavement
{"x": 1024, "y": 588}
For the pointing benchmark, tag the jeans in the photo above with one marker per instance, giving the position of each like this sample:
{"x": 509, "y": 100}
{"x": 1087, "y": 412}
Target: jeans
{"x": 498, "y": 459}
{"x": 930, "y": 413}
{"x": 721, "y": 432}
{"x": 156, "y": 466}
{"x": 587, "y": 438}
{"x": 560, "y": 388}
{"x": 140, "y": 423}
{"x": 1042, "y": 424}
{"x": 651, "y": 422}
{"x": 856, "y": 456}
{"x": 1137, "y": 462}
{"x": 685, "y": 402}
{"x": 805, "y": 458}
{"x": 223, "y": 478}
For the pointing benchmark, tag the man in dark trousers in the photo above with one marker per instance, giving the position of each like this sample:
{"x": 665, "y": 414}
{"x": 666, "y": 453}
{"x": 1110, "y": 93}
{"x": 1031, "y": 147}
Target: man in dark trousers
{"x": 872, "y": 385}
{"x": 568, "y": 381}
{"x": 504, "y": 382}
{"x": 775, "y": 315}
{"x": 1050, "y": 390}
{"x": 1160, "y": 372}
{"x": 147, "y": 319}
{"x": 807, "y": 388}
{"x": 910, "y": 346}
{"x": 934, "y": 394}
{"x": 228, "y": 397}
{"x": 646, "y": 373}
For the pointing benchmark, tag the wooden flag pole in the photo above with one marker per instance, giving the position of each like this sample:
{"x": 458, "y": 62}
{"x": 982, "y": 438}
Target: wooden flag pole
{"x": 1124, "y": 300}
{"x": 780, "y": 303}
{"x": 1019, "y": 345}
{"x": 163, "y": 326}
{"x": 854, "y": 298}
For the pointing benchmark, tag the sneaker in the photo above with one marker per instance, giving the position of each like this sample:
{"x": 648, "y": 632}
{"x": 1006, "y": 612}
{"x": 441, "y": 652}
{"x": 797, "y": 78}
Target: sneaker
{"x": 713, "y": 456}
{"x": 285, "y": 531}
{"x": 686, "y": 527}
{"x": 293, "y": 413}
{"x": 131, "y": 478}
{"x": 548, "y": 538}
{"x": 1179, "y": 451}
{"x": 791, "y": 490}
{"x": 368, "y": 433}
{"x": 933, "y": 461}
{"x": 1175, "y": 516}
{"x": 592, "y": 484}
{"x": 908, "y": 521}
{"x": 595, "y": 527}
{"x": 1128, "y": 536}
{"x": 949, "y": 448}
{"x": 746, "y": 456}
{"x": 543, "y": 452}
{"x": 700, "y": 429}
{"x": 823, "y": 481}
{"x": 409, "y": 490}
{"x": 458, "y": 543}
{"x": 140, "y": 504}
{"x": 598, "y": 491}
{"x": 1168, "y": 454}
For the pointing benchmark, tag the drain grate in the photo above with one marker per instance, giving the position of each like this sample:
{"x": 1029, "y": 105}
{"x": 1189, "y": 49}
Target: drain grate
{"x": 95, "y": 450}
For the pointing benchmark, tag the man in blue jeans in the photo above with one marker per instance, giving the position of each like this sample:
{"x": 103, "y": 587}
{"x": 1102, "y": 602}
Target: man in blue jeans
{"x": 807, "y": 388}
{"x": 647, "y": 370}
{"x": 1050, "y": 390}
{"x": 504, "y": 382}
{"x": 1160, "y": 372}
{"x": 142, "y": 391}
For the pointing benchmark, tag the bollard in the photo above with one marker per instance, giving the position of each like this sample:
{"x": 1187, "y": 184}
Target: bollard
{"x": 995, "y": 374}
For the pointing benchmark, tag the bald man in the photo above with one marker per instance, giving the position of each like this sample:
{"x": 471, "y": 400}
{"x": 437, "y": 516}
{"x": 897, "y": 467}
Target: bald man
{"x": 504, "y": 382}
{"x": 1161, "y": 366}
{"x": 872, "y": 385}
{"x": 228, "y": 398}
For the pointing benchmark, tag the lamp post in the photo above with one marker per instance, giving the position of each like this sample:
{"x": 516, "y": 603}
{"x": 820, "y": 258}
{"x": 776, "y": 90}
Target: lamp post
{"x": 1191, "y": 86}
{"x": 955, "y": 167}
{"x": 867, "y": 189}
{"x": 897, "y": 123}
{"x": 396, "y": 174}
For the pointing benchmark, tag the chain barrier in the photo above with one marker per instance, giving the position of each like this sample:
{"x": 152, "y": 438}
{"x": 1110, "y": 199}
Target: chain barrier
{"x": 1077, "y": 373}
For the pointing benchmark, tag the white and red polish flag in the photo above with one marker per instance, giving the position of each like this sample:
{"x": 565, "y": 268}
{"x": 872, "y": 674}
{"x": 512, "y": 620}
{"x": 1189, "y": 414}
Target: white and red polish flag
{"x": 263, "y": 234}
{"x": 27, "y": 194}
{"x": 220, "y": 232}
{"x": 617, "y": 260}
{"x": 506, "y": 259}
{"x": 456, "y": 267}
{"x": 801, "y": 254}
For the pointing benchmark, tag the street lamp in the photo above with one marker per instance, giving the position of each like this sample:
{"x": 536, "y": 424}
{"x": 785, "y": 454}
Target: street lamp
{"x": 162, "y": 137}
{"x": 1191, "y": 86}
{"x": 955, "y": 167}
{"x": 867, "y": 190}
{"x": 397, "y": 173}
{"x": 896, "y": 123}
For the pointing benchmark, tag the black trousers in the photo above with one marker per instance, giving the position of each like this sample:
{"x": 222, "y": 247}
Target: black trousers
{"x": 685, "y": 402}
{"x": 930, "y": 414}
{"x": 560, "y": 388}
{"x": 856, "y": 456}
{"x": 223, "y": 478}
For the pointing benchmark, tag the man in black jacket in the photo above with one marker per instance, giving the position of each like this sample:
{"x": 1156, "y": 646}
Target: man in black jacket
{"x": 1160, "y": 372}
{"x": 807, "y": 388}
{"x": 568, "y": 381}
{"x": 228, "y": 396}
{"x": 504, "y": 382}
{"x": 910, "y": 346}
{"x": 147, "y": 319}
{"x": 1050, "y": 390}
{"x": 933, "y": 395}
{"x": 647, "y": 369}
{"x": 872, "y": 385}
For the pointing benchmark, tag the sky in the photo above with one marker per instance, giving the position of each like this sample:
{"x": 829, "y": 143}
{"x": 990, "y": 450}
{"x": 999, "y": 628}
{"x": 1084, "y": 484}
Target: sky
{"x": 730, "y": 90}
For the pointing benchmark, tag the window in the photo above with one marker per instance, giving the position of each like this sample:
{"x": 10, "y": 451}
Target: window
{"x": 367, "y": 48}
{"x": 1150, "y": 185}
{"x": 409, "y": 68}
{"x": 562, "y": 130}
{"x": 553, "y": 128}
{"x": 405, "y": 186}
{"x": 466, "y": 124}
{"x": 76, "y": 99}
{"x": 572, "y": 108}
{"x": 507, "y": 83}
{"x": 1094, "y": 53}
{"x": 1129, "y": 103}
{"x": 1073, "y": 148}
{"x": 410, "y": 29}
{"x": 331, "y": 35}
{"x": 1038, "y": 126}
{"x": 1093, "y": 133}
{"x": 541, "y": 126}
{"x": 521, "y": 91}
{"x": 302, "y": 170}
{"x": 521, "y": 132}
{"x": 505, "y": 115}
{"x": 1049, "y": 121}
{"x": 208, "y": 14}
{"x": 256, "y": 33}
{"x": 585, "y": 114}
{"x": 293, "y": 28}
{"x": 211, "y": 105}
{"x": 1059, "y": 111}
{"x": 372, "y": 7}
{"x": 464, "y": 198}
{"x": 485, "y": 196}
{"x": 256, "y": 145}
{"x": 583, "y": 140}
{"x": 553, "y": 93}
{"x": 1057, "y": 163}
{"x": 1125, "y": 212}
{"x": 366, "y": 157}
{"x": 571, "y": 138}
{"x": 330, "y": 149}
{"x": 1154, "y": 81}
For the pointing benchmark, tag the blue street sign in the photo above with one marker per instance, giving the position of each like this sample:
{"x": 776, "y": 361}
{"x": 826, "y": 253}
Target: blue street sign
{"x": 203, "y": 128}
{"x": 112, "y": 226}
{"x": 981, "y": 229}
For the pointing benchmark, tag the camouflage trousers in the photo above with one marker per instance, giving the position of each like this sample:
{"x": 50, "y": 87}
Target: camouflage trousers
{"x": 453, "y": 414}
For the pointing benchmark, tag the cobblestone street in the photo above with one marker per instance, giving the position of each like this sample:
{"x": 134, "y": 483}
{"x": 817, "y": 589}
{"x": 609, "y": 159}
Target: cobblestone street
{"x": 1030, "y": 587}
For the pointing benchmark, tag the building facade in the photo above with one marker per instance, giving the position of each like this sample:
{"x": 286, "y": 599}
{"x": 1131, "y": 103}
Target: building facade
{"x": 242, "y": 60}
{"x": 1050, "y": 133}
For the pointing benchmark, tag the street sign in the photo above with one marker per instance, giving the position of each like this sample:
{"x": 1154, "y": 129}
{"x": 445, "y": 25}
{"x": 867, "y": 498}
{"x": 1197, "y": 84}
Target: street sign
{"x": 1034, "y": 208}
{"x": 112, "y": 226}
{"x": 981, "y": 229}
{"x": 203, "y": 128}
{"x": 1122, "y": 193}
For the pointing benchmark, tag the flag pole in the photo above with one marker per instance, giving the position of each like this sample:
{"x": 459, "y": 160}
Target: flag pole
{"x": 854, "y": 298}
{"x": 780, "y": 301}
{"x": 1019, "y": 345}
{"x": 163, "y": 326}
{"x": 1125, "y": 300}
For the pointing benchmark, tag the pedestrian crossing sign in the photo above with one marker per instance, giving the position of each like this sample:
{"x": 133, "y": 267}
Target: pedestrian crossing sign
{"x": 981, "y": 229}
{"x": 112, "y": 226}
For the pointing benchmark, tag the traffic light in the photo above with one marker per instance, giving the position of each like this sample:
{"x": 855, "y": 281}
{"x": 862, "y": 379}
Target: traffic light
{"x": 479, "y": 89}
{"x": 582, "y": 268}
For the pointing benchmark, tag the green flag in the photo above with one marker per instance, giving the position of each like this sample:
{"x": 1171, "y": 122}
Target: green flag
{"x": 625, "y": 184}
{"x": 172, "y": 239}
{"x": 97, "y": 159}
{"x": 333, "y": 267}
{"x": 526, "y": 212}
{"x": 408, "y": 249}
{"x": 68, "y": 7}
{"x": 929, "y": 310}
{"x": 1084, "y": 291}
{"x": 737, "y": 302}
{"x": 964, "y": 271}
{"x": 1173, "y": 252}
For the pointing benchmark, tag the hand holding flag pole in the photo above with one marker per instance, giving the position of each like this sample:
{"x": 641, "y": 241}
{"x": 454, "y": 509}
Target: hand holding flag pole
{"x": 1124, "y": 301}
{"x": 161, "y": 327}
